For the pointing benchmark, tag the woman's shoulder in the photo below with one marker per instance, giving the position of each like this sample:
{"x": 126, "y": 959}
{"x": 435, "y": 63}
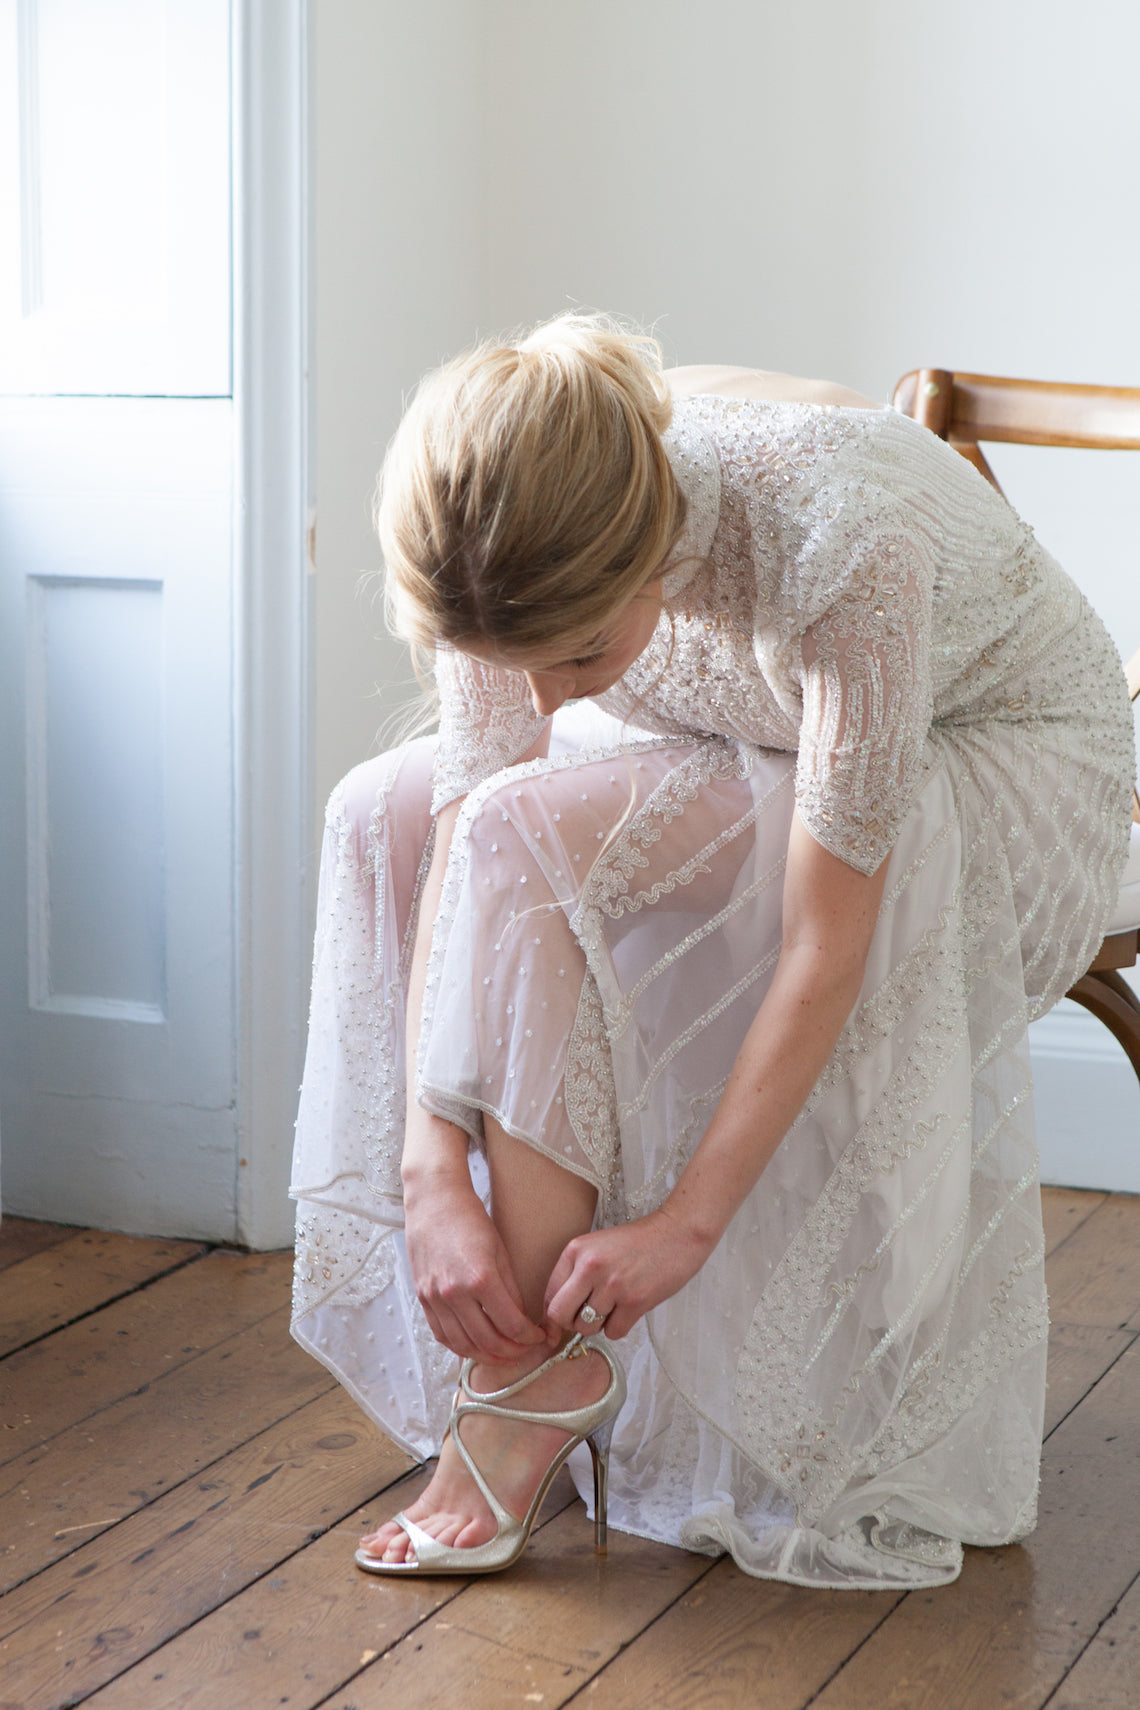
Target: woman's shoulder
{"x": 760, "y": 385}
{"x": 758, "y": 422}
{"x": 811, "y": 434}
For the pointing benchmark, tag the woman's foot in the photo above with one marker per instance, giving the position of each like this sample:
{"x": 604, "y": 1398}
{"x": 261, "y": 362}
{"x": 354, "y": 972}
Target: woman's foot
{"x": 513, "y": 1458}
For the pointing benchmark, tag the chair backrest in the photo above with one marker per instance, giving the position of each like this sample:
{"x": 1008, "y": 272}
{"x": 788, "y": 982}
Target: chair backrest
{"x": 967, "y": 409}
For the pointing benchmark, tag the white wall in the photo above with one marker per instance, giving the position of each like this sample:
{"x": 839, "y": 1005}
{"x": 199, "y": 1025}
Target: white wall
{"x": 839, "y": 187}
{"x": 805, "y": 185}
{"x": 400, "y": 269}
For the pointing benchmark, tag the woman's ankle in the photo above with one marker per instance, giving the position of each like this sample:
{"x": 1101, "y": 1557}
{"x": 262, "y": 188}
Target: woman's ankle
{"x": 487, "y": 1375}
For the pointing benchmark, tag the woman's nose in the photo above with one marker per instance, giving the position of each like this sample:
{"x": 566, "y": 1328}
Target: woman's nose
{"x": 548, "y": 691}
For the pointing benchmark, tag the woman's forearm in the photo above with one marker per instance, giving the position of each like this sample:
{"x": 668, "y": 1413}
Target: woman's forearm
{"x": 829, "y": 916}
{"x": 435, "y": 1151}
{"x": 460, "y": 1265}
{"x": 626, "y": 1270}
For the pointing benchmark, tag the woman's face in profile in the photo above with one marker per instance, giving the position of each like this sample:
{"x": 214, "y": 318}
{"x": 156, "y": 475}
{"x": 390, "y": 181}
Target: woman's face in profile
{"x": 553, "y": 680}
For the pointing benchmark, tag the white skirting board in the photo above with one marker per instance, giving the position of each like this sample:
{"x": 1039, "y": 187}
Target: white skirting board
{"x": 1088, "y": 1103}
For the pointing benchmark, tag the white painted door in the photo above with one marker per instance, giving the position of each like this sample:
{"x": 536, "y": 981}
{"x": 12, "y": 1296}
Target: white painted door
{"x": 116, "y": 595}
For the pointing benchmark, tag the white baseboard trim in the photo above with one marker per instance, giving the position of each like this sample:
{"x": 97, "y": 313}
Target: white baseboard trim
{"x": 1088, "y": 1103}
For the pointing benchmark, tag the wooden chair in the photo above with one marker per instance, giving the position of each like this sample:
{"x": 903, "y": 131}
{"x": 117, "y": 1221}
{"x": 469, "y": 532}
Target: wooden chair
{"x": 965, "y": 410}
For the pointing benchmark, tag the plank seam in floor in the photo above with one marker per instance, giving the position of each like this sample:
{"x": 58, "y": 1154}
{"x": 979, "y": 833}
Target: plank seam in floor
{"x": 429, "y": 1615}
{"x": 1092, "y": 1638}
{"x": 198, "y": 1473}
{"x": 854, "y": 1652}
{"x": 147, "y": 1384}
{"x": 1128, "y": 1346}
{"x": 461, "y": 1585}
{"x": 275, "y": 1567}
{"x": 111, "y": 1300}
{"x": 1101, "y": 1335}
{"x": 641, "y": 1634}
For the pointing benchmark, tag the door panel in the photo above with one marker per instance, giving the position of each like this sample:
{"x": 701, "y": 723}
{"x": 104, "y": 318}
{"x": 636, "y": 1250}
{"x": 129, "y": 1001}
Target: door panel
{"x": 115, "y": 197}
{"x": 96, "y": 926}
{"x": 117, "y": 1032}
{"x": 117, "y": 993}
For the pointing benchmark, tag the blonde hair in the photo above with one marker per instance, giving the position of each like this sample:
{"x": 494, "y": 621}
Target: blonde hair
{"x": 527, "y": 494}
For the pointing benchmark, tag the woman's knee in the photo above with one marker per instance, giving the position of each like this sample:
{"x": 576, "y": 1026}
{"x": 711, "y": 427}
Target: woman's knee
{"x": 550, "y": 825}
{"x": 388, "y": 798}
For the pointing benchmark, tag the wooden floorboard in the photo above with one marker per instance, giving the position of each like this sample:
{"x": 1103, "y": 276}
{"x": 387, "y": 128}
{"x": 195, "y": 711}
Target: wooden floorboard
{"x": 87, "y": 1366}
{"x": 181, "y": 1491}
{"x": 735, "y": 1641}
{"x": 1065, "y": 1209}
{"x": 1108, "y": 1673}
{"x": 20, "y": 1237}
{"x": 1009, "y": 1629}
{"x": 552, "y": 1628}
{"x": 73, "y": 1278}
{"x": 85, "y": 1619}
{"x": 299, "y": 1633}
{"x": 63, "y": 1493}
{"x": 1094, "y": 1274}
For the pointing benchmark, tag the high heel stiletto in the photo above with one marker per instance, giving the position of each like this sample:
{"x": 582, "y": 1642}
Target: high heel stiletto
{"x": 592, "y": 1424}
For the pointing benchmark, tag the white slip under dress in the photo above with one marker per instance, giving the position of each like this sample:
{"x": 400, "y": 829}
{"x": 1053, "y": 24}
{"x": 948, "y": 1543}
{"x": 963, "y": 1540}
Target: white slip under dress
{"x": 856, "y": 626}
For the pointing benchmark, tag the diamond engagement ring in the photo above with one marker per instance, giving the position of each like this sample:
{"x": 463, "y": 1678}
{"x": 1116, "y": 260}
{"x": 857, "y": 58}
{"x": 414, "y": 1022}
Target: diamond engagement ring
{"x": 589, "y": 1315}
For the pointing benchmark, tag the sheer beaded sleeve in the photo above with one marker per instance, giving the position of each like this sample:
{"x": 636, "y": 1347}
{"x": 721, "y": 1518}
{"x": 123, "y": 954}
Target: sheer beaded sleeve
{"x": 866, "y": 682}
{"x": 487, "y": 721}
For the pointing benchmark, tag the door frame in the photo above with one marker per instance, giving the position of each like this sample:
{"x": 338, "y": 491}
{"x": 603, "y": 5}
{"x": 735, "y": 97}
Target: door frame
{"x": 273, "y": 603}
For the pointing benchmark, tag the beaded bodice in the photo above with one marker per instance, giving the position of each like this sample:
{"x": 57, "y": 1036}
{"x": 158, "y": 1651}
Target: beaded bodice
{"x": 845, "y": 585}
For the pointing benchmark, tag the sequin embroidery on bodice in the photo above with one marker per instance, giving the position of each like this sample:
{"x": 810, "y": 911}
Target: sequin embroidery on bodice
{"x": 844, "y": 584}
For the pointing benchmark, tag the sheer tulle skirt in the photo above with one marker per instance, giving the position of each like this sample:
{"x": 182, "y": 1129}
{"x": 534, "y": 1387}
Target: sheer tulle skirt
{"x": 852, "y": 1387}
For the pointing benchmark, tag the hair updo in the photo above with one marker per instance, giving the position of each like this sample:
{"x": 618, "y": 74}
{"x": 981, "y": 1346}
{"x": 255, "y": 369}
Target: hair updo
{"x": 527, "y": 495}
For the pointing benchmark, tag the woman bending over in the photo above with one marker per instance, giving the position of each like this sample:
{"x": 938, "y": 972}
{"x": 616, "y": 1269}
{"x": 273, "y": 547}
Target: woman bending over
{"x": 680, "y": 986}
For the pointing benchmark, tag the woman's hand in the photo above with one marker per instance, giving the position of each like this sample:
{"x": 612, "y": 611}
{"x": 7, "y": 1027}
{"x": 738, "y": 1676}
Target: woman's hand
{"x": 463, "y": 1275}
{"x": 623, "y": 1272}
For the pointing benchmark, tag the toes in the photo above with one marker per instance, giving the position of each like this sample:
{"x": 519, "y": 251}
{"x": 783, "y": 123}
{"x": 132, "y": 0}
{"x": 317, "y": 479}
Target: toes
{"x": 378, "y": 1541}
{"x": 448, "y": 1531}
{"x": 389, "y": 1544}
{"x": 471, "y": 1535}
{"x": 394, "y": 1548}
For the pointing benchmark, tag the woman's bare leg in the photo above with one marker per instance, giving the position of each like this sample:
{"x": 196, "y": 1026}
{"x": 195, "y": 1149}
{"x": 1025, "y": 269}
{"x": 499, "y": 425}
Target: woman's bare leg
{"x": 537, "y": 1207}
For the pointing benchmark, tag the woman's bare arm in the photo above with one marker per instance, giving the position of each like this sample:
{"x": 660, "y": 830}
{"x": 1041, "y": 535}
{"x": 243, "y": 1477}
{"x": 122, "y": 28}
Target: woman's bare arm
{"x": 460, "y": 1266}
{"x": 761, "y": 384}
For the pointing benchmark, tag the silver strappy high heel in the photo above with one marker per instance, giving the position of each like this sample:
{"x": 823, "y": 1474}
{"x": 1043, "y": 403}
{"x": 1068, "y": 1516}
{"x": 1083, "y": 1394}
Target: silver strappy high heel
{"x": 592, "y": 1424}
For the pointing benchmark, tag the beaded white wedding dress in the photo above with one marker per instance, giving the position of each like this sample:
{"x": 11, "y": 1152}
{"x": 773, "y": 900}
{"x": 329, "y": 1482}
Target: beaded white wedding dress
{"x": 858, "y": 627}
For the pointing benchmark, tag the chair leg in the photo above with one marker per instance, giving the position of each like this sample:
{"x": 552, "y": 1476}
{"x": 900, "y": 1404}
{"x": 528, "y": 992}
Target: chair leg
{"x": 1112, "y": 1001}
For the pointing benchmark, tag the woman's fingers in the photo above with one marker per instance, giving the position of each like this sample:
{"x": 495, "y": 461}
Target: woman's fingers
{"x": 447, "y": 1331}
{"x": 487, "y": 1337}
{"x": 620, "y": 1322}
{"x": 565, "y": 1309}
{"x": 558, "y": 1278}
{"x": 505, "y": 1329}
{"x": 465, "y": 1281}
{"x": 622, "y": 1272}
{"x": 481, "y": 1313}
{"x": 584, "y": 1275}
{"x": 463, "y": 1327}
